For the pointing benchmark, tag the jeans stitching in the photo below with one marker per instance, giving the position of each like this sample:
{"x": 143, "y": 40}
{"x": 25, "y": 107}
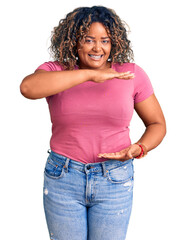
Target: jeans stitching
{"x": 53, "y": 177}
{"x": 124, "y": 181}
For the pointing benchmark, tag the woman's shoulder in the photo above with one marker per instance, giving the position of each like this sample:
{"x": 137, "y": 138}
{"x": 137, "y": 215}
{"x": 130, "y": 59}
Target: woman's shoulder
{"x": 51, "y": 66}
{"x": 132, "y": 67}
{"x": 124, "y": 67}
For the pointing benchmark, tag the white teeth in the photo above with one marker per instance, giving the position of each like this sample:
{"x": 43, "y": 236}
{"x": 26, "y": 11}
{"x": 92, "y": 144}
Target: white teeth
{"x": 95, "y": 57}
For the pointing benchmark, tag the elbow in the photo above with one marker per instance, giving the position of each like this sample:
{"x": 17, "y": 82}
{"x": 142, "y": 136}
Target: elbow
{"x": 165, "y": 129}
{"x": 23, "y": 89}
{"x": 26, "y": 90}
{"x": 159, "y": 127}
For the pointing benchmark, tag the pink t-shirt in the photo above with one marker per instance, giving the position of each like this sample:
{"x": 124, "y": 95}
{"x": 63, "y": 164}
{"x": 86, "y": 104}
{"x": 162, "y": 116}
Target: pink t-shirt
{"x": 93, "y": 118}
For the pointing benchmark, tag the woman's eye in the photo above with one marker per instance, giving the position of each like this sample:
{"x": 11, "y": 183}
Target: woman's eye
{"x": 105, "y": 41}
{"x": 89, "y": 41}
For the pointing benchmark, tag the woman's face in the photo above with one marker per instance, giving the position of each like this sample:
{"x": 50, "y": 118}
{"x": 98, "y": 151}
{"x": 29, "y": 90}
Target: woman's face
{"x": 94, "y": 49}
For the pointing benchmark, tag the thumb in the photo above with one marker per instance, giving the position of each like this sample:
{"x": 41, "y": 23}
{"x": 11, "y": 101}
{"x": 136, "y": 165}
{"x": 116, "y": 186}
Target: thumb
{"x": 130, "y": 153}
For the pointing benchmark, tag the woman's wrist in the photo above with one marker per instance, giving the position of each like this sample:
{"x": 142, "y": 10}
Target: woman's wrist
{"x": 93, "y": 75}
{"x": 143, "y": 151}
{"x": 86, "y": 74}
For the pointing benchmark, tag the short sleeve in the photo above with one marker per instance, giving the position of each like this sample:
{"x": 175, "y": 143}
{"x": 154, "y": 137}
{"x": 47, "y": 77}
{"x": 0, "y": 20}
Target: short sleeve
{"x": 50, "y": 66}
{"x": 142, "y": 85}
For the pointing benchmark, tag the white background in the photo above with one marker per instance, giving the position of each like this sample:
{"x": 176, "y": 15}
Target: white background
{"x": 158, "y": 39}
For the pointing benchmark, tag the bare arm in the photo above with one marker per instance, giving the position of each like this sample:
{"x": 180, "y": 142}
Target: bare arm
{"x": 152, "y": 116}
{"x": 43, "y": 83}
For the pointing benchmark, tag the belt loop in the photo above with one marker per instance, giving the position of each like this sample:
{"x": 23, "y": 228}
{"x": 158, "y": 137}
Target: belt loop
{"x": 66, "y": 164}
{"x": 104, "y": 169}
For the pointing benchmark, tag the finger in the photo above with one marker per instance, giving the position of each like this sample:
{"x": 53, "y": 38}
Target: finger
{"x": 126, "y": 73}
{"x": 116, "y": 156}
{"x": 123, "y": 73}
{"x": 126, "y": 76}
{"x": 129, "y": 154}
{"x": 107, "y": 155}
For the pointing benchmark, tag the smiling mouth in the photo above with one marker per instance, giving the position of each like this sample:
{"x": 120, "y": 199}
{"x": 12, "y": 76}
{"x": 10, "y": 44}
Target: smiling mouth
{"x": 95, "y": 57}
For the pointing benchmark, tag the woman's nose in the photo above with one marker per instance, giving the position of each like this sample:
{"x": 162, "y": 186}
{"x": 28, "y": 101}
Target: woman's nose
{"x": 97, "y": 46}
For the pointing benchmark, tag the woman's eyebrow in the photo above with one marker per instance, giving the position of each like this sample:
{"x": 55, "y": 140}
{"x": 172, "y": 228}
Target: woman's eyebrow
{"x": 94, "y": 37}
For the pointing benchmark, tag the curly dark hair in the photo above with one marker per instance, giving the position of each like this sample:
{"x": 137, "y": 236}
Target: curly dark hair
{"x": 75, "y": 27}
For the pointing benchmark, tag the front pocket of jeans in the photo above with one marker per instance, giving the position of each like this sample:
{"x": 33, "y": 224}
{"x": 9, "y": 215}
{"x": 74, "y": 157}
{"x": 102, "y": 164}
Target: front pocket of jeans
{"x": 121, "y": 174}
{"x": 53, "y": 169}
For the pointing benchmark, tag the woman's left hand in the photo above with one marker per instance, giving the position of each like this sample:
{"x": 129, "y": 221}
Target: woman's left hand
{"x": 132, "y": 151}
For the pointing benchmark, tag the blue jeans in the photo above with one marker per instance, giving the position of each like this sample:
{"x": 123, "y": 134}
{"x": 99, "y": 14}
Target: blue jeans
{"x": 87, "y": 201}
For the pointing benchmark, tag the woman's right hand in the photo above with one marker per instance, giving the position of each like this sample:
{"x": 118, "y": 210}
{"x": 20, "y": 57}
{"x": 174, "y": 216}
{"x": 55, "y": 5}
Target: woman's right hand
{"x": 101, "y": 76}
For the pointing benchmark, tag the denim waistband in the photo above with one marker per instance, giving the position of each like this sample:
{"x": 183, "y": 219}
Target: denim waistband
{"x": 89, "y": 167}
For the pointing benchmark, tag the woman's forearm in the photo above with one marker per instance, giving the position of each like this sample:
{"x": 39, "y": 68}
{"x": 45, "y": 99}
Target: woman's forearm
{"x": 43, "y": 84}
{"x": 153, "y": 135}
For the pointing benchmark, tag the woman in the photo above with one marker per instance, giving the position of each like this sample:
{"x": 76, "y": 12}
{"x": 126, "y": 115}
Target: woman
{"x": 91, "y": 89}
